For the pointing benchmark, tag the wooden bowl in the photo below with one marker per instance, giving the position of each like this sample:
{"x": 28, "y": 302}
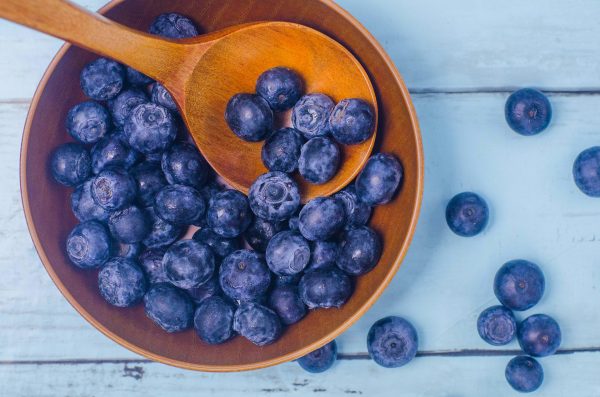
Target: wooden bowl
{"x": 49, "y": 217}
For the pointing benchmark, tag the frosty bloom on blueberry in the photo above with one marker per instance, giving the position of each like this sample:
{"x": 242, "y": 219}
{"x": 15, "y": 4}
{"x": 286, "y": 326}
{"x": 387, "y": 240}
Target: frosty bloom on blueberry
{"x": 229, "y": 214}
{"x": 281, "y": 87}
{"x": 244, "y": 275}
{"x": 121, "y": 282}
{"x": 89, "y": 245}
{"x": 113, "y": 189}
{"x": 123, "y": 104}
{"x": 173, "y": 26}
{"x": 497, "y": 325}
{"x": 70, "y": 164}
{"x": 113, "y": 151}
{"x": 189, "y": 264}
{"x": 150, "y": 128}
{"x": 102, "y": 79}
{"x": 257, "y": 323}
{"x": 213, "y": 320}
{"x": 392, "y": 342}
{"x": 170, "y": 308}
{"x": 379, "y": 180}
{"x": 88, "y": 122}
{"x": 281, "y": 150}
{"x": 321, "y": 218}
{"x": 311, "y": 114}
{"x": 352, "y": 121}
{"x": 319, "y": 160}
{"x": 274, "y": 196}
{"x": 288, "y": 253}
{"x": 129, "y": 225}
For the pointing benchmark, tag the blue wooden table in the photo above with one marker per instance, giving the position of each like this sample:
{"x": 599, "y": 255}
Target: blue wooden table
{"x": 460, "y": 59}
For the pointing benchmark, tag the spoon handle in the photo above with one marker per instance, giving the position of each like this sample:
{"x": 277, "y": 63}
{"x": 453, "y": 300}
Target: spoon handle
{"x": 150, "y": 55}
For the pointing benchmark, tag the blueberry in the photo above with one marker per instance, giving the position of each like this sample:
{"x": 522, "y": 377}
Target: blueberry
{"x": 258, "y": 324}
{"x": 150, "y": 180}
{"x": 121, "y": 282}
{"x": 136, "y": 78}
{"x": 294, "y": 223}
{"x": 206, "y": 290}
{"x": 282, "y": 150}
{"x": 83, "y": 205}
{"x": 467, "y": 214}
{"x": 179, "y": 204}
{"x": 325, "y": 288}
{"x": 113, "y": 189}
{"x": 162, "y": 97}
{"x": 129, "y": 225}
{"x": 130, "y": 251}
{"x": 213, "y": 320}
{"x": 323, "y": 254}
{"x": 249, "y": 117}
{"x": 173, "y": 26}
{"x": 539, "y": 335}
{"x": 519, "y": 284}
{"x": 524, "y": 374}
{"x": 261, "y": 231}
{"x": 89, "y": 245}
{"x": 319, "y": 160}
{"x": 288, "y": 253}
{"x": 497, "y": 325}
{"x": 352, "y": 121}
{"x": 244, "y": 275}
{"x": 189, "y": 264}
{"x": 150, "y": 128}
{"x": 88, "y": 122}
{"x": 183, "y": 164}
{"x": 211, "y": 189}
{"x": 70, "y": 164}
{"x": 586, "y": 171}
{"x": 321, "y": 218}
{"x": 357, "y": 212}
{"x": 286, "y": 302}
{"x": 122, "y": 105}
{"x": 162, "y": 233}
{"x": 528, "y": 111}
{"x": 360, "y": 250}
{"x": 152, "y": 264}
{"x": 102, "y": 79}
{"x": 113, "y": 151}
{"x": 281, "y": 87}
{"x": 229, "y": 214}
{"x": 379, "y": 180}
{"x": 168, "y": 307}
{"x": 319, "y": 360}
{"x": 221, "y": 246}
{"x": 392, "y": 342}
{"x": 274, "y": 196}
{"x": 311, "y": 114}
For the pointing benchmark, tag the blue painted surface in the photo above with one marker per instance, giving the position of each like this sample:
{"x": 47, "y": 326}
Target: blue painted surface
{"x": 460, "y": 61}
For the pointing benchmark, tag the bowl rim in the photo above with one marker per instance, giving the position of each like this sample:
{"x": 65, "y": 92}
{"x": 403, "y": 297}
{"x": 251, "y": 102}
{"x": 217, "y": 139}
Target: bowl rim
{"x": 260, "y": 364}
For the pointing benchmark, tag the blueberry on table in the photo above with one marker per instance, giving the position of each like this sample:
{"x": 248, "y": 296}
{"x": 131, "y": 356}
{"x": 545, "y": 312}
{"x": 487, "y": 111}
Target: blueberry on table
{"x": 249, "y": 117}
{"x": 229, "y": 214}
{"x": 89, "y": 245}
{"x": 359, "y": 250}
{"x": 352, "y": 121}
{"x": 183, "y": 164}
{"x": 150, "y": 180}
{"x": 392, "y": 342}
{"x": 321, "y": 218}
{"x": 130, "y": 251}
{"x": 287, "y": 253}
{"x": 274, "y": 196}
{"x": 189, "y": 264}
{"x": 102, "y": 79}
{"x": 213, "y": 320}
{"x": 113, "y": 151}
{"x": 206, "y": 290}
{"x": 310, "y": 115}
{"x": 586, "y": 171}
{"x": 179, "y": 204}
{"x": 467, "y": 214}
{"x": 136, "y": 78}
{"x": 539, "y": 335}
{"x": 281, "y": 87}
{"x": 162, "y": 233}
{"x": 170, "y": 308}
{"x": 113, "y": 189}
{"x": 282, "y": 150}
{"x": 319, "y": 160}
{"x": 152, "y": 265}
{"x": 83, "y": 205}
{"x": 244, "y": 275}
{"x": 129, "y": 225}
{"x": 261, "y": 231}
{"x": 286, "y": 302}
{"x": 379, "y": 180}
{"x": 259, "y": 324}
{"x": 70, "y": 164}
{"x": 221, "y": 246}
{"x": 519, "y": 284}
{"x": 524, "y": 374}
{"x": 173, "y": 26}
{"x": 319, "y": 360}
{"x": 121, "y": 282}
{"x": 528, "y": 111}
{"x": 150, "y": 128}
{"x": 88, "y": 122}
{"x": 323, "y": 254}
{"x": 325, "y": 288}
{"x": 162, "y": 97}
{"x": 357, "y": 212}
{"x": 497, "y": 325}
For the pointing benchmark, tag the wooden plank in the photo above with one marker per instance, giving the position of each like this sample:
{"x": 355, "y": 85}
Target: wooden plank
{"x": 470, "y": 46}
{"x": 424, "y": 377}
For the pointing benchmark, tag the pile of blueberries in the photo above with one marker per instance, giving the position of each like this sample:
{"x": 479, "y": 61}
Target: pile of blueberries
{"x": 139, "y": 184}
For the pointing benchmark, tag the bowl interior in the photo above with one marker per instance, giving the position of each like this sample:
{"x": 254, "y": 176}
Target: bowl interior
{"x": 49, "y": 217}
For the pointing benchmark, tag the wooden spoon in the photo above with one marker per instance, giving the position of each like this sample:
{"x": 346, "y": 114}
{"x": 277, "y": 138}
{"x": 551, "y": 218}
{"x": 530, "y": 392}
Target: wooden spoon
{"x": 202, "y": 73}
